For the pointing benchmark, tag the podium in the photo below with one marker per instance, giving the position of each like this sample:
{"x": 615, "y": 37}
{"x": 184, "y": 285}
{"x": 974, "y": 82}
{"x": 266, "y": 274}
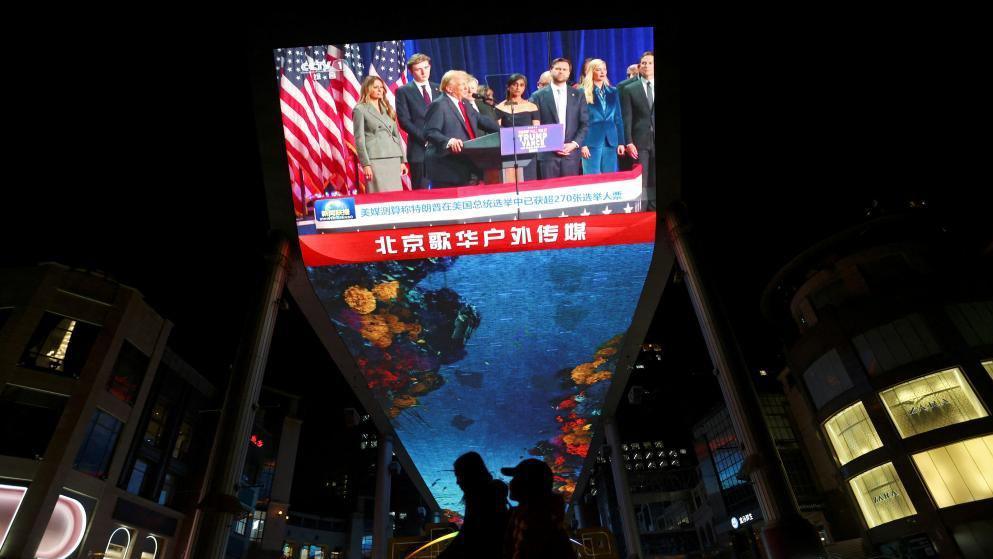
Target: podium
{"x": 487, "y": 152}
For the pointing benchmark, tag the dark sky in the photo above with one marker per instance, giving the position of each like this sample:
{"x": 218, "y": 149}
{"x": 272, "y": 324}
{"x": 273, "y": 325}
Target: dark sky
{"x": 141, "y": 158}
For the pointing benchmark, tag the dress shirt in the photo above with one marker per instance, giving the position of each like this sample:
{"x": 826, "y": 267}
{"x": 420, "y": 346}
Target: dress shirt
{"x": 645, "y": 86}
{"x": 560, "y": 92}
{"x": 421, "y": 87}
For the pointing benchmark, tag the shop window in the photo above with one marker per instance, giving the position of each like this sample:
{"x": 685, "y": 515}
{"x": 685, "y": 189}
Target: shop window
{"x": 932, "y": 401}
{"x": 312, "y": 552}
{"x": 127, "y": 374}
{"x": 958, "y": 473}
{"x": 150, "y": 547}
{"x": 891, "y": 345}
{"x": 851, "y": 433}
{"x": 975, "y": 539}
{"x": 97, "y": 449}
{"x": 826, "y": 378}
{"x": 60, "y": 344}
{"x": 988, "y": 365}
{"x": 118, "y": 544}
{"x": 27, "y": 420}
{"x": 881, "y": 495}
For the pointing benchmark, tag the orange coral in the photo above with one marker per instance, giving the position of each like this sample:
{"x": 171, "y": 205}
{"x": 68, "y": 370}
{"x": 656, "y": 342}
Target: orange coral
{"x": 404, "y": 401}
{"x": 386, "y": 290}
{"x": 360, "y": 299}
{"x": 376, "y": 330}
{"x": 586, "y": 373}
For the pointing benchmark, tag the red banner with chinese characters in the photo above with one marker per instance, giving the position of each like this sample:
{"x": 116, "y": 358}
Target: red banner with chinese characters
{"x": 477, "y": 238}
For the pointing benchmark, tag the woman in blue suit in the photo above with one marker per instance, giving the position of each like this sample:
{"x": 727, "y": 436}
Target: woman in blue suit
{"x": 605, "y": 137}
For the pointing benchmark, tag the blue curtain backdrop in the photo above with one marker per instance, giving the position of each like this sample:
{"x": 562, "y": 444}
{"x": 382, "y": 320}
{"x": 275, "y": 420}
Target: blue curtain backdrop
{"x": 530, "y": 53}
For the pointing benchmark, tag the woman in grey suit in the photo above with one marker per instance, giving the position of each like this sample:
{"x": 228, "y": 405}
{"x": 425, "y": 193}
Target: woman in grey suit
{"x": 377, "y": 138}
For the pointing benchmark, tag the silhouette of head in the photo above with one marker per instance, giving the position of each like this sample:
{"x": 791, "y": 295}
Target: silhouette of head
{"x": 471, "y": 471}
{"x": 530, "y": 479}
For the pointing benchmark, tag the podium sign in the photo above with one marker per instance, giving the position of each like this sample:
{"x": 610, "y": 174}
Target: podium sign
{"x": 531, "y": 139}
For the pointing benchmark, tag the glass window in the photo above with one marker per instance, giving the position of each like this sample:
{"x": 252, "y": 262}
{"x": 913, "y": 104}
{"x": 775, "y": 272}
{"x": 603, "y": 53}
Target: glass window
{"x": 974, "y": 321}
{"x": 881, "y": 495}
{"x": 958, "y": 473}
{"x": 127, "y": 374}
{"x": 851, "y": 433}
{"x": 156, "y": 429}
{"x": 60, "y": 344}
{"x": 150, "y": 548}
{"x": 137, "y": 479}
{"x": 258, "y": 525}
{"x": 97, "y": 449}
{"x": 932, "y": 401}
{"x": 168, "y": 490}
{"x": 988, "y": 365}
{"x": 27, "y": 420}
{"x": 888, "y": 346}
{"x": 182, "y": 445}
{"x": 118, "y": 544}
{"x": 827, "y": 378}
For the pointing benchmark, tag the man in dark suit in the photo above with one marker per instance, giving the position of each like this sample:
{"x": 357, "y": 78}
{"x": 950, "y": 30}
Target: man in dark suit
{"x": 412, "y": 100}
{"x": 560, "y": 104}
{"x": 638, "y": 108}
{"x": 450, "y": 122}
{"x": 626, "y": 163}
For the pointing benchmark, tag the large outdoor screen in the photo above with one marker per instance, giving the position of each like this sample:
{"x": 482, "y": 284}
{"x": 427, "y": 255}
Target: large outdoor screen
{"x": 486, "y": 316}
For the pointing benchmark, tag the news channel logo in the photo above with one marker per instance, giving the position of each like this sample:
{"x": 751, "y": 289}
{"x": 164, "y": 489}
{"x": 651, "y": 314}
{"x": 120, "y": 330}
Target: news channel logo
{"x": 334, "y": 209}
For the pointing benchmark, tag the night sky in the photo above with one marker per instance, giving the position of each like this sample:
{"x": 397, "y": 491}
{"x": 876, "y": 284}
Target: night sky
{"x": 141, "y": 160}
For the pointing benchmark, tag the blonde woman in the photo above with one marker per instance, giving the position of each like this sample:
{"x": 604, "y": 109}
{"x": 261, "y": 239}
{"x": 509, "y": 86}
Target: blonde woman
{"x": 605, "y": 137}
{"x": 377, "y": 138}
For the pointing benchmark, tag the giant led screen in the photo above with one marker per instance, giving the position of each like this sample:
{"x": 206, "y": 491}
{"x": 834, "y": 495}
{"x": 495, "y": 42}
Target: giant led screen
{"x": 488, "y": 314}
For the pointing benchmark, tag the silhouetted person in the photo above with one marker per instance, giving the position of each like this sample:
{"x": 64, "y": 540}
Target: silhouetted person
{"x": 485, "y": 519}
{"x": 536, "y": 529}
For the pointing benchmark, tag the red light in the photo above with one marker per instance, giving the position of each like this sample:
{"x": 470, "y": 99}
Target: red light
{"x": 257, "y": 441}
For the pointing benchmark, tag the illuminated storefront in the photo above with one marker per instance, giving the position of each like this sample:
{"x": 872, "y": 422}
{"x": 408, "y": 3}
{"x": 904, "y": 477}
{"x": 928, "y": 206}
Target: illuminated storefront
{"x": 988, "y": 365}
{"x": 881, "y": 495}
{"x": 932, "y": 401}
{"x": 851, "y": 433}
{"x": 958, "y": 473}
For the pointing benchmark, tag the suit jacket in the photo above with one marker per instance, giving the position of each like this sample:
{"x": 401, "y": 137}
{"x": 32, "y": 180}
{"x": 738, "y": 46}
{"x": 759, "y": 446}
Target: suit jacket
{"x": 624, "y": 82}
{"x": 411, "y": 111}
{"x": 639, "y": 116}
{"x": 576, "y": 115}
{"x": 442, "y": 123}
{"x": 376, "y": 135}
{"x": 606, "y": 126}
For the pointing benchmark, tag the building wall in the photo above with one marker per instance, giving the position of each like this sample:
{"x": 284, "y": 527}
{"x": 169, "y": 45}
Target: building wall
{"x": 97, "y": 321}
{"x": 887, "y": 341}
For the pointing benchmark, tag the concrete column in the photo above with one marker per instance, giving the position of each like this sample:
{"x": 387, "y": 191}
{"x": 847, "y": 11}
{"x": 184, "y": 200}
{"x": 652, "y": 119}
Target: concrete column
{"x": 629, "y": 523}
{"x": 282, "y": 483}
{"x": 381, "y": 513}
{"x": 355, "y": 533}
{"x": 238, "y": 414}
{"x": 787, "y": 534}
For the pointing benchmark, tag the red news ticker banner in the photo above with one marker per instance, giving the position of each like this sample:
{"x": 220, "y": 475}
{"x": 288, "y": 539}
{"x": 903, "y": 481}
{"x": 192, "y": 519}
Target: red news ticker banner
{"x": 477, "y": 238}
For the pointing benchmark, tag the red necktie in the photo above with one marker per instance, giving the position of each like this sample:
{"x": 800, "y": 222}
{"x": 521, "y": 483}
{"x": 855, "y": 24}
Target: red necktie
{"x": 427, "y": 97}
{"x": 465, "y": 115}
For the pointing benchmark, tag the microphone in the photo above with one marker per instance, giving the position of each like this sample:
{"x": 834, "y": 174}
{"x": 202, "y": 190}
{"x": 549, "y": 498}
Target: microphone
{"x": 478, "y": 96}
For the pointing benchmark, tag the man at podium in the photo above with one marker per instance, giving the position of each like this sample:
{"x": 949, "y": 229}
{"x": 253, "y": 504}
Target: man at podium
{"x": 450, "y": 122}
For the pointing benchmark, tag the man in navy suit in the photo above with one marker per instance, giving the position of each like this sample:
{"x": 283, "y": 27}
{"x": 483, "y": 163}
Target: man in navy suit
{"x": 412, "y": 100}
{"x": 638, "y": 107}
{"x": 450, "y": 122}
{"x": 560, "y": 104}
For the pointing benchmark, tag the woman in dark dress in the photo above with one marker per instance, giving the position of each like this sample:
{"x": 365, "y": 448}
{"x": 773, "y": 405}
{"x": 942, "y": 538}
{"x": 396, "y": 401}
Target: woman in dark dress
{"x": 516, "y": 111}
{"x": 485, "y": 519}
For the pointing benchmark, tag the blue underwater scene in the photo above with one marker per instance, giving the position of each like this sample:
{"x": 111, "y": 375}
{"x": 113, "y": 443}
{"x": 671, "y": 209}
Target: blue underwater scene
{"x": 507, "y": 354}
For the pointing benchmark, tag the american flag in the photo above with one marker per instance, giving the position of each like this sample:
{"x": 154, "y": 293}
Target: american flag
{"x": 317, "y": 90}
{"x": 389, "y": 62}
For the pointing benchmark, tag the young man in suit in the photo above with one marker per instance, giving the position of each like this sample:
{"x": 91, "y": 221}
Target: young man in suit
{"x": 560, "y": 104}
{"x": 412, "y": 101}
{"x": 638, "y": 108}
{"x": 450, "y": 122}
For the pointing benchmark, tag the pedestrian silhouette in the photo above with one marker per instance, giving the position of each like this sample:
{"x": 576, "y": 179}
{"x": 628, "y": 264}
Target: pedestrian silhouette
{"x": 536, "y": 528}
{"x": 485, "y": 519}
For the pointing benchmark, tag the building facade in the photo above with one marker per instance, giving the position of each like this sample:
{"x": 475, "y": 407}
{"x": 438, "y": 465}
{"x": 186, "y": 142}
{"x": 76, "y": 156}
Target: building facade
{"x": 889, "y": 335}
{"x": 101, "y": 424}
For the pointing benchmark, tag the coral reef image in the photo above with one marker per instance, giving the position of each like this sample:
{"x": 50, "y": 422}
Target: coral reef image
{"x": 507, "y": 354}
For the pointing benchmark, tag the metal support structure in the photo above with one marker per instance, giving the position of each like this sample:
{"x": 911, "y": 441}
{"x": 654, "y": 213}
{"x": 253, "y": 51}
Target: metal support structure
{"x": 223, "y": 478}
{"x": 381, "y": 513}
{"x": 629, "y": 522}
{"x": 786, "y": 534}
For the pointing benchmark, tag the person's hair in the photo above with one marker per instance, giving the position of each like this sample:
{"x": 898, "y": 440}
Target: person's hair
{"x": 469, "y": 78}
{"x": 384, "y": 105}
{"x": 472, "y": 470}
{"x": 561, "y": 59}
{"x": 632, "y": 70}
{"x": 586, "y": 64}
{"x": 483, "y": 89}
{"x": 646, "y": 53}
{"x": 546, "y": 72}
{"x": 449, "y": 76}
{"x": 588, "y": 78}
{"x": 514, "y": 78}
{"x": 417, "y": 59}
